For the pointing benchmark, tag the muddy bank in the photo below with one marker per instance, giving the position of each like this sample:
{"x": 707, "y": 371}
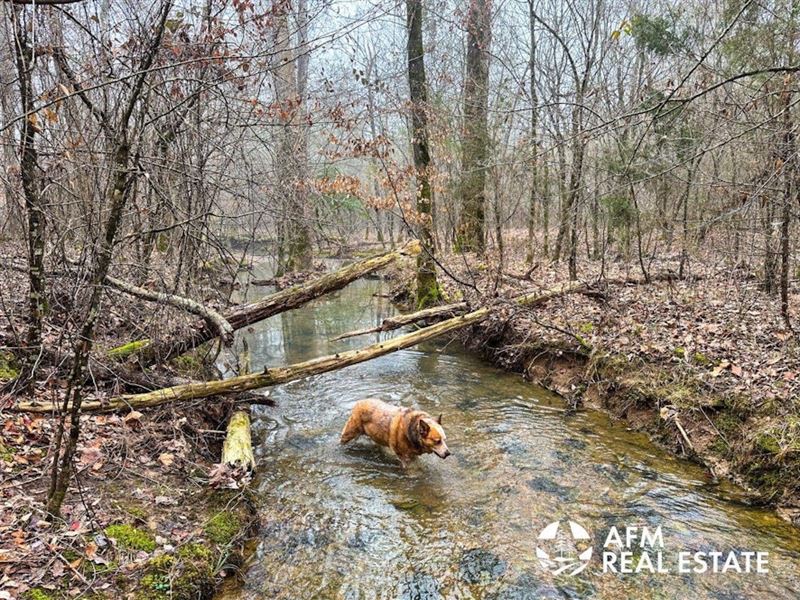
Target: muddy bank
{"x": 723, "y": 432}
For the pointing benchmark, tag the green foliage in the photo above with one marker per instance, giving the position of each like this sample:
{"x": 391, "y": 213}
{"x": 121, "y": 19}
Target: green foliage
{"x": 620, "y": 211}
{"x": 131, "y": 538}
{"x": 655, "y": 34}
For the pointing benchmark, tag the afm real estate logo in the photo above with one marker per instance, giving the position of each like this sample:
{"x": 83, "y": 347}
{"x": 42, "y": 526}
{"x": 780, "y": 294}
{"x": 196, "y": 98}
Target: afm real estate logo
{"x": 566, "y": 547}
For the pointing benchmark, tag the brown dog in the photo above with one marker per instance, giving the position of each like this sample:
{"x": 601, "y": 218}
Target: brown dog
{"x": 408, "y": 433}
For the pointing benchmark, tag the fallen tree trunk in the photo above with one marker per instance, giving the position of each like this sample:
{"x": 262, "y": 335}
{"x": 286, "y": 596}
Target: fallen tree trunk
{"x": 391, "y": 323}
{"x": 213, "y": 319}
{"x": 274, "y": 304}
{"x": 278, "y": 375}
{"x": 237, "y": 450}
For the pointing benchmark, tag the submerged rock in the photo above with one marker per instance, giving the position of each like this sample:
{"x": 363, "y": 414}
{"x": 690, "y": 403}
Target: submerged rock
{"x": 418, "y": 586}
{"x": 526, "y": 587}
{"x": 480, "y": 566}
{"x": 548, "y": 486}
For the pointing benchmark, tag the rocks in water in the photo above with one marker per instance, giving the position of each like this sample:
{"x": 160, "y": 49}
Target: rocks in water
{"x": 548, "y": 486}
{"x": 526, "y": 587}
{"x": 480, "y": 566}
{"x": 418, "y": 586}
{"x": 574, "y": 443}
{"x": 513, "y": 447}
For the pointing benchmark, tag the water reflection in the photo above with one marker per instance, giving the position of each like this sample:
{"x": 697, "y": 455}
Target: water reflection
{"x": 350, "y": 523}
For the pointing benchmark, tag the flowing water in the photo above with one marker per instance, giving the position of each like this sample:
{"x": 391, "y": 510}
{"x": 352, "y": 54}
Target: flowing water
{"x": 350, "y": 523}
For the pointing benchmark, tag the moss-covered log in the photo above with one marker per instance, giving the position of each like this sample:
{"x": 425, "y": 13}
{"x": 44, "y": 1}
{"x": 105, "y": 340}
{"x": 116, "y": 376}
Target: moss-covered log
{"x": 287, "y": 299}
{"x": 237, "y": 450}
{"x": 278, "y": 375}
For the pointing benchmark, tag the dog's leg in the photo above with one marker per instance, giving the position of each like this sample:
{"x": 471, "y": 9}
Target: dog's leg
{"x": 352, "y": 429}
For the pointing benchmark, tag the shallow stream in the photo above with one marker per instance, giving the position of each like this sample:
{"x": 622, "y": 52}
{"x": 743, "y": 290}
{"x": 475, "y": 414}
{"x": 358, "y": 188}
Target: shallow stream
{"x": 350, "y": 523}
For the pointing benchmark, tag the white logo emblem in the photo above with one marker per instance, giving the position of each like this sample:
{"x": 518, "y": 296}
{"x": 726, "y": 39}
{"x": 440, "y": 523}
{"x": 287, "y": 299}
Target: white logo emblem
{"x": 564, "y": 549}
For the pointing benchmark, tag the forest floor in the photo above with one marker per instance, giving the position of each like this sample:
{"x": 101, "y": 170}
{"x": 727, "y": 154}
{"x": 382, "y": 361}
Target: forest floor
{"x": 709, "y": 355}
{"x": 150, "y": 514}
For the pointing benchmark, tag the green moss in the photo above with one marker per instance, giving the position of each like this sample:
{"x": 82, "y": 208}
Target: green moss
{"x": 162, "y": 242}
{"x": 6, "y": 454}
{"x": 131, "y": 538}
{"x": 767, "y": 442}
{"x": 9, "y": 369}
{"x": 122, "y": 352}
{"x": 701, "y": 359}
{"x": 223, "y": 527}
{"x": 161, "y": 563}
{"x": 39, "y": 594}
{"x": 727, "y": 422}
{"x": 680, "y": 352}
{"x": 195, "y": 552}
{"x": 587, "y": 327}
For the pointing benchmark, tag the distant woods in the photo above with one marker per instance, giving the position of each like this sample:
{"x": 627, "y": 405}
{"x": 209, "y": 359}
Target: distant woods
{"x": 165, "y": 144}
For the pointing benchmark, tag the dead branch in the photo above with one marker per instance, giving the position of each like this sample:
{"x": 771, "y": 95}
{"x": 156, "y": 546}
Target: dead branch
{"x": 391, "y": 323}
{"x": 213, "y": 319}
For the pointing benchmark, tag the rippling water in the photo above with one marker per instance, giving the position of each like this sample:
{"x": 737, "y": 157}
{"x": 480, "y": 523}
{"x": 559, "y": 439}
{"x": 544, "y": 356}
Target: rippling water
{"x": 350, "y": 523}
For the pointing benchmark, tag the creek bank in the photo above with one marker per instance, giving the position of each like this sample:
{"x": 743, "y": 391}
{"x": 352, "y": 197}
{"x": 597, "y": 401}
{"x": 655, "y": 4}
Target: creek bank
{"x": 673, "y": 408}
{"x": 143, "y": 523}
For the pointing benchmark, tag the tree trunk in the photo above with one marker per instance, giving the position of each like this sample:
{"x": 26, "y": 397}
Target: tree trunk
{"x": 427, "y": 287}
{"x": 535, "y": 158}
{"x": 475, "y": 142}
{"x": 34, "y": 203}
{"x": 290, "y": 164}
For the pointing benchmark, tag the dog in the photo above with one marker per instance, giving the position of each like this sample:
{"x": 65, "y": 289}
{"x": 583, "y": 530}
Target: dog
{"x": 408, "y": 433}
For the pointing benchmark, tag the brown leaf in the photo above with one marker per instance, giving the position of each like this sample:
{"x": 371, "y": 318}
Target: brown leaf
{"x": 166, "y": 459}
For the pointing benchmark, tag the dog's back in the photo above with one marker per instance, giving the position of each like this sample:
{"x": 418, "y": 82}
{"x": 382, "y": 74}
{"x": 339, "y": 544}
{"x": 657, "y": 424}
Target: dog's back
{"x": 372, "y": 417}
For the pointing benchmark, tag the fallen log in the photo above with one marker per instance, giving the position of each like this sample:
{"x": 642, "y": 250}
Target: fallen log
{"x": 277, "y": 375}
{"x": 237, "y": 450}
{"x": 396, "y": 322}
{"x": 284, "y": 300}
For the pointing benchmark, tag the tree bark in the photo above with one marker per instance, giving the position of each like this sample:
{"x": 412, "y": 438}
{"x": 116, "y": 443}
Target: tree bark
{"x": 475, "y": 142}
{"x": 290, "y": 161}
{"x": 34, "y": 203}
{"x": 427, "y": 287}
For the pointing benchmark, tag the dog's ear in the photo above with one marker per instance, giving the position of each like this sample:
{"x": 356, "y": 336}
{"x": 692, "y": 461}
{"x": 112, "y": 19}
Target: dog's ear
{"x": 439, "y": 419}
{"x": 424, "y": 428}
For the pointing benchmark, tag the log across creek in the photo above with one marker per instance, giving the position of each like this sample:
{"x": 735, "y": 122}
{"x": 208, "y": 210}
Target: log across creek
{"x": 278, "y": 375}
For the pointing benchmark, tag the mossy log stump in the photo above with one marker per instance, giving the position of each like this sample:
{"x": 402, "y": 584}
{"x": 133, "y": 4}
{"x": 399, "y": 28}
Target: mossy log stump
{"x": 290, "y": 298}
{"x": 237, "y": 450}
{"x": 277, "y": 375}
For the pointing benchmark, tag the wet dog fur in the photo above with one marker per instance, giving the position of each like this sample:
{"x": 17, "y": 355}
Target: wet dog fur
{"x": 406, "y": 432}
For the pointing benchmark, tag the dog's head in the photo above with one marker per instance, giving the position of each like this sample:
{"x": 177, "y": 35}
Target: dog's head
{"x": 432, "y": 437}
